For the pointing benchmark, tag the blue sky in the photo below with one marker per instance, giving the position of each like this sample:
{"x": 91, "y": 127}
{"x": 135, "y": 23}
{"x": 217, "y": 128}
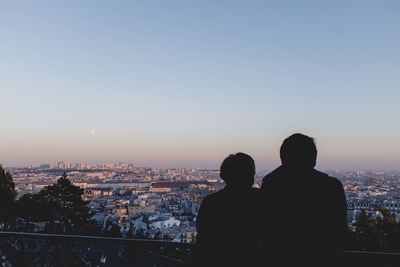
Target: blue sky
{"x": 184, "y": 83}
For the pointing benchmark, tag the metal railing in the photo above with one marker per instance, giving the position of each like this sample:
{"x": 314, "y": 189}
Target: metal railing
{"x": 370, "y": 258}
{"x": 31, "y": 250}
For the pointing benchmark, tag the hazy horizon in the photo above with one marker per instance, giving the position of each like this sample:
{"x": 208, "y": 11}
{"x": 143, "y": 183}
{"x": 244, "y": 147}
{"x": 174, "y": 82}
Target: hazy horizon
{"x": 259, "y": 168}
{"x": 184, "y": 83}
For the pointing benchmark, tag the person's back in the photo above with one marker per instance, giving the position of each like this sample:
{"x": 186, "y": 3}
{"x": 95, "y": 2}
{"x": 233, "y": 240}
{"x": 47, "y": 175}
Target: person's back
{"x": 305, "y": 213}
{"x": 227, "y": 220}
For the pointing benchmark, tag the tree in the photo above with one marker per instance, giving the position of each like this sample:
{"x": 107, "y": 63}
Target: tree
{"x": 34, "y": 207}
{"x": 387, "y": 231}
{"x": 379, "y": 234}
{"x": 60, "y": 202}
{"x": 7, "y": 194}
{"x": 65, "y": 202}
{"x": 365, "y": 232}
{"x": 114, "y": 231}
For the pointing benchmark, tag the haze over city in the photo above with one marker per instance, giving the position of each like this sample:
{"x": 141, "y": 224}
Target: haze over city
{"x": 184, "y": 83}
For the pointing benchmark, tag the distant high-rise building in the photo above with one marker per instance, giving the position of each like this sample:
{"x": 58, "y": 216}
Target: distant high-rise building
{"x": 122, "y": 165}
{"x": 60, "y": 165}
{"x": 80, "y": 166}
{"x": 44, "y": 166}
{"x": 109, "y": 165}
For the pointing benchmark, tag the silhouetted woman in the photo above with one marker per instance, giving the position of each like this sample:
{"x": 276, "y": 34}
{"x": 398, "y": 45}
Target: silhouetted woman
{"x": 228, "y": 221}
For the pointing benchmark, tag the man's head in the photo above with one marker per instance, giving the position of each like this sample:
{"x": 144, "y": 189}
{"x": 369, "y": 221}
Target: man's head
{"x": 299, "y": 150}
{"x": 238, "y": 169}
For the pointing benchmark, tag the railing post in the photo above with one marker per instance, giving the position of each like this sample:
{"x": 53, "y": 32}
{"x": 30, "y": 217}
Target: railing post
{"x": 131, "y": 255}
{"x": 59, "y": 260}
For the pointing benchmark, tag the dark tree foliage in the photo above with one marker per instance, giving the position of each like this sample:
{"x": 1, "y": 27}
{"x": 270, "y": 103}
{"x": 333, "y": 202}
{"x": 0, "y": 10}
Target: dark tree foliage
{"x": 66, "y": 200}
{"x": 114, "y": 231}
{"x": 7, "y": 194}
{"x": 61, "y": 202}
{"x": 364, "y": 232}
{"x": 379, "y": 234}
{"x": 34, "y": 207}
{"x": 388, "y": 231}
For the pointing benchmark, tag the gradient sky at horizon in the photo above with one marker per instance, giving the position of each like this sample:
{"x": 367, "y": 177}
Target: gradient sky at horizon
{"x": 185, "y": 83}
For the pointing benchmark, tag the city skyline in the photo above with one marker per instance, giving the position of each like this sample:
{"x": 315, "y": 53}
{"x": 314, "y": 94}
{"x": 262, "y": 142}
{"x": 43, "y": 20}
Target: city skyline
{"x": 93, "y": 165}
{"x": 184, "y": 84}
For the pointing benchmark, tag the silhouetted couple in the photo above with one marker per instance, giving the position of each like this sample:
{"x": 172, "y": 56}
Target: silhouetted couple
{"x": 298, "y": 218}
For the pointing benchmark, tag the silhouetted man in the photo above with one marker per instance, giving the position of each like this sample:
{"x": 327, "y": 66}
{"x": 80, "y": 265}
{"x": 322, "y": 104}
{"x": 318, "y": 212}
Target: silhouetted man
{"x": 305, "y": 210}
{"x": 229, "y": 221}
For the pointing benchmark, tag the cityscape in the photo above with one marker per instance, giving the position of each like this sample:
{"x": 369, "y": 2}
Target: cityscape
{"x": 134, "y": 203}
{"x": 119, "y": 120}
{"x": 162, "y": 203}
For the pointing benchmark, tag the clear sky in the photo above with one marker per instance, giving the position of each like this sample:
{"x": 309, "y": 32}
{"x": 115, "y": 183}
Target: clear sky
{"x": 184, "y": 83}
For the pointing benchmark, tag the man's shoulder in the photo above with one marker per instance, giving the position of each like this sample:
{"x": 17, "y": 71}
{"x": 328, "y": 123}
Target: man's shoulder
{"x": 271, "y": 177}
{"x": 256, "y": 193}
{"x": 328, "y": 180}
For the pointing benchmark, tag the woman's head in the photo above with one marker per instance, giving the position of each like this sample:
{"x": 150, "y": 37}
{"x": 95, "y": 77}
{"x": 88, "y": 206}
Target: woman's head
{"x": 238, "y": 169}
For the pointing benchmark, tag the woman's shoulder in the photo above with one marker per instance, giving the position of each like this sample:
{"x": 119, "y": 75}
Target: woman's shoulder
{"x": 215, "y": 196}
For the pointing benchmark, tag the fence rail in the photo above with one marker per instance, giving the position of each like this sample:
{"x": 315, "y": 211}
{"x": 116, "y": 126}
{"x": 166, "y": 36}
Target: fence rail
{"x": 32, "y": 250}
